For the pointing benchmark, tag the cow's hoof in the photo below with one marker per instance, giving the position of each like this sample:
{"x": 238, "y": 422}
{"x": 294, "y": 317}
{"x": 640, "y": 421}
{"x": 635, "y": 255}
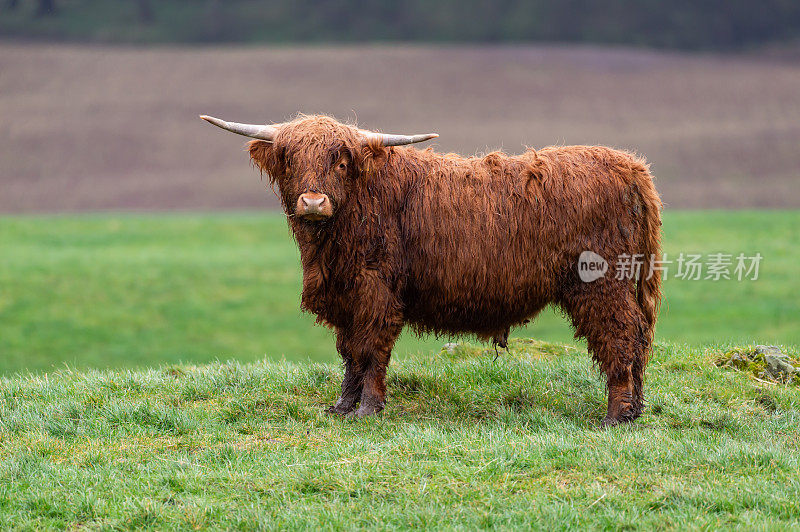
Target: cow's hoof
{"x": 367, "y": 408}
{"x": 340, "y": 409}
{"x": 609, "y": 422}
{"x": 365, "y": 412}
{"x": 621, "y": 412}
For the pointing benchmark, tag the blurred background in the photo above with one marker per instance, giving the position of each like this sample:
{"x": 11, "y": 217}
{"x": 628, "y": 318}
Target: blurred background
{"x": 133, "y": 233}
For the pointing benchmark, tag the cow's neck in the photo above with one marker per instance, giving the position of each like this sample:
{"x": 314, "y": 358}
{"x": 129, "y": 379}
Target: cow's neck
{"x": 333, "y": 254}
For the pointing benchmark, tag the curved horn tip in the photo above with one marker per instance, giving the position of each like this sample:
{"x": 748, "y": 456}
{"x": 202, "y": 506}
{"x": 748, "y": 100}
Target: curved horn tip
{"x": 414, "y": 139}
{"x": 262, "y": 132}
{"x": 212, "y": 120}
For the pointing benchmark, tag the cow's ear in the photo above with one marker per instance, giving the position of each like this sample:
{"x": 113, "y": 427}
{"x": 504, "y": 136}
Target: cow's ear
{"x": 371, "y": 157}
{"x": 263, "y": 155}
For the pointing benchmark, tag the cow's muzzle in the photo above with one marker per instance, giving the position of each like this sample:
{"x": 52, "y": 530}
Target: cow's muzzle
{"x": 313, "y": 206}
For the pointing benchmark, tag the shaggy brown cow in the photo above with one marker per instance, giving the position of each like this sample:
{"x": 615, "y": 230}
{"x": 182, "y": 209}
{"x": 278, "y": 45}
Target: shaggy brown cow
{"x": 392, "y": 235}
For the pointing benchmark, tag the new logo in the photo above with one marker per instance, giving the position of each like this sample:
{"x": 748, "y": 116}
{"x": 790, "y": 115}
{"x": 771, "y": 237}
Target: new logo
{"x": 591, "y": 266}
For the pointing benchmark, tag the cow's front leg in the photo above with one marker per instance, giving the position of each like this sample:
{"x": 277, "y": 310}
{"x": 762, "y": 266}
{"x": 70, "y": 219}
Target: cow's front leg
{"x": 365, "y": 374}
{"x": 351, "y": 383}
{"x": 374, "y": 361}
{"x": 377, "y": 322}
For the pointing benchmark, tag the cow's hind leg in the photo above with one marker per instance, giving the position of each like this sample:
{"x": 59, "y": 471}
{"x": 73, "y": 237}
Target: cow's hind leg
{"x": 606, "y": 313}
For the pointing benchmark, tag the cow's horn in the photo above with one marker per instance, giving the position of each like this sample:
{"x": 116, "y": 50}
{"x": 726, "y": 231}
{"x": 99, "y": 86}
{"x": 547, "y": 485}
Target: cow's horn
{"x": 397, "y": 140}
{"x": 263, "y": 132}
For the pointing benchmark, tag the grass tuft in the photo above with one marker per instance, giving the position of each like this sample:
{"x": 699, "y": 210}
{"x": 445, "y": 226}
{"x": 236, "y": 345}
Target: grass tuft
{"x": 752, "y": 361}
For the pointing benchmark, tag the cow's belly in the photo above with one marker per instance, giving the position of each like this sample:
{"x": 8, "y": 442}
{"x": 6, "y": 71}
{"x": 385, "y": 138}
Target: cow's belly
{"x": 484, "y": 307}
{"x": 481, "y": 271}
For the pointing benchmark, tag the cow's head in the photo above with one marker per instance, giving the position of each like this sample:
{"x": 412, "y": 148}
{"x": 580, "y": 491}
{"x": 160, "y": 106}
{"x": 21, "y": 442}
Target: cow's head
{"x": 314, "y": 160}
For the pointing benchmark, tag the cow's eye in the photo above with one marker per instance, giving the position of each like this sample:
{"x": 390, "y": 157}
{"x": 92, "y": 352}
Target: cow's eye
{"x": 342, "y": 166}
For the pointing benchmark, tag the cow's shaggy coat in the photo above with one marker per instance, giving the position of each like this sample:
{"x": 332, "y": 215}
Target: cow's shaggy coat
{"x": 450, "y": 245}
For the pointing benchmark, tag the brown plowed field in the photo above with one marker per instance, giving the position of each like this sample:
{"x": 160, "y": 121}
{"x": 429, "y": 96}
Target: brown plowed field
{"x": 91, "y": 128}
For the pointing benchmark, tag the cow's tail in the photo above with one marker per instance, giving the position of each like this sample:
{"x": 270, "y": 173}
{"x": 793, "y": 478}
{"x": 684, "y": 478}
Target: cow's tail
{"x": 648, "y": 285}
{"x": 648, "y": 290}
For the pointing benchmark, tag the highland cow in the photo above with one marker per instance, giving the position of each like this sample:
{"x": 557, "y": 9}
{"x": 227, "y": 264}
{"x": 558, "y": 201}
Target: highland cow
{"x": 390, "y": 235}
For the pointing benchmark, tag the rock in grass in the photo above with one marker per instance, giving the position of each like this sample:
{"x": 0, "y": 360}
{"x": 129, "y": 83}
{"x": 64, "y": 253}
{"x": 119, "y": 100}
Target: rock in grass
{"x": 766, "y": 362}
{"x": 769, "y": 350}
{"x": 779, "y": 367}
{"x": 450, "y": 347}
{"x": 739, "y": 360}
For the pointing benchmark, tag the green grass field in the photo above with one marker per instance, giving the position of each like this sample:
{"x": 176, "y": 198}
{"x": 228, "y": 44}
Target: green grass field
{"x": 130, "y": 290}
{"x": 465, "y": 442}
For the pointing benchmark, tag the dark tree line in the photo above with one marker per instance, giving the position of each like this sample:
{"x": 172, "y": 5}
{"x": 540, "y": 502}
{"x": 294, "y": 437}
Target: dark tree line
{"x": 145, "y": 10}
{"x": 44, "y": 7}
{"x": 48, "y": 7}
{"x": 687, "y": 24}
